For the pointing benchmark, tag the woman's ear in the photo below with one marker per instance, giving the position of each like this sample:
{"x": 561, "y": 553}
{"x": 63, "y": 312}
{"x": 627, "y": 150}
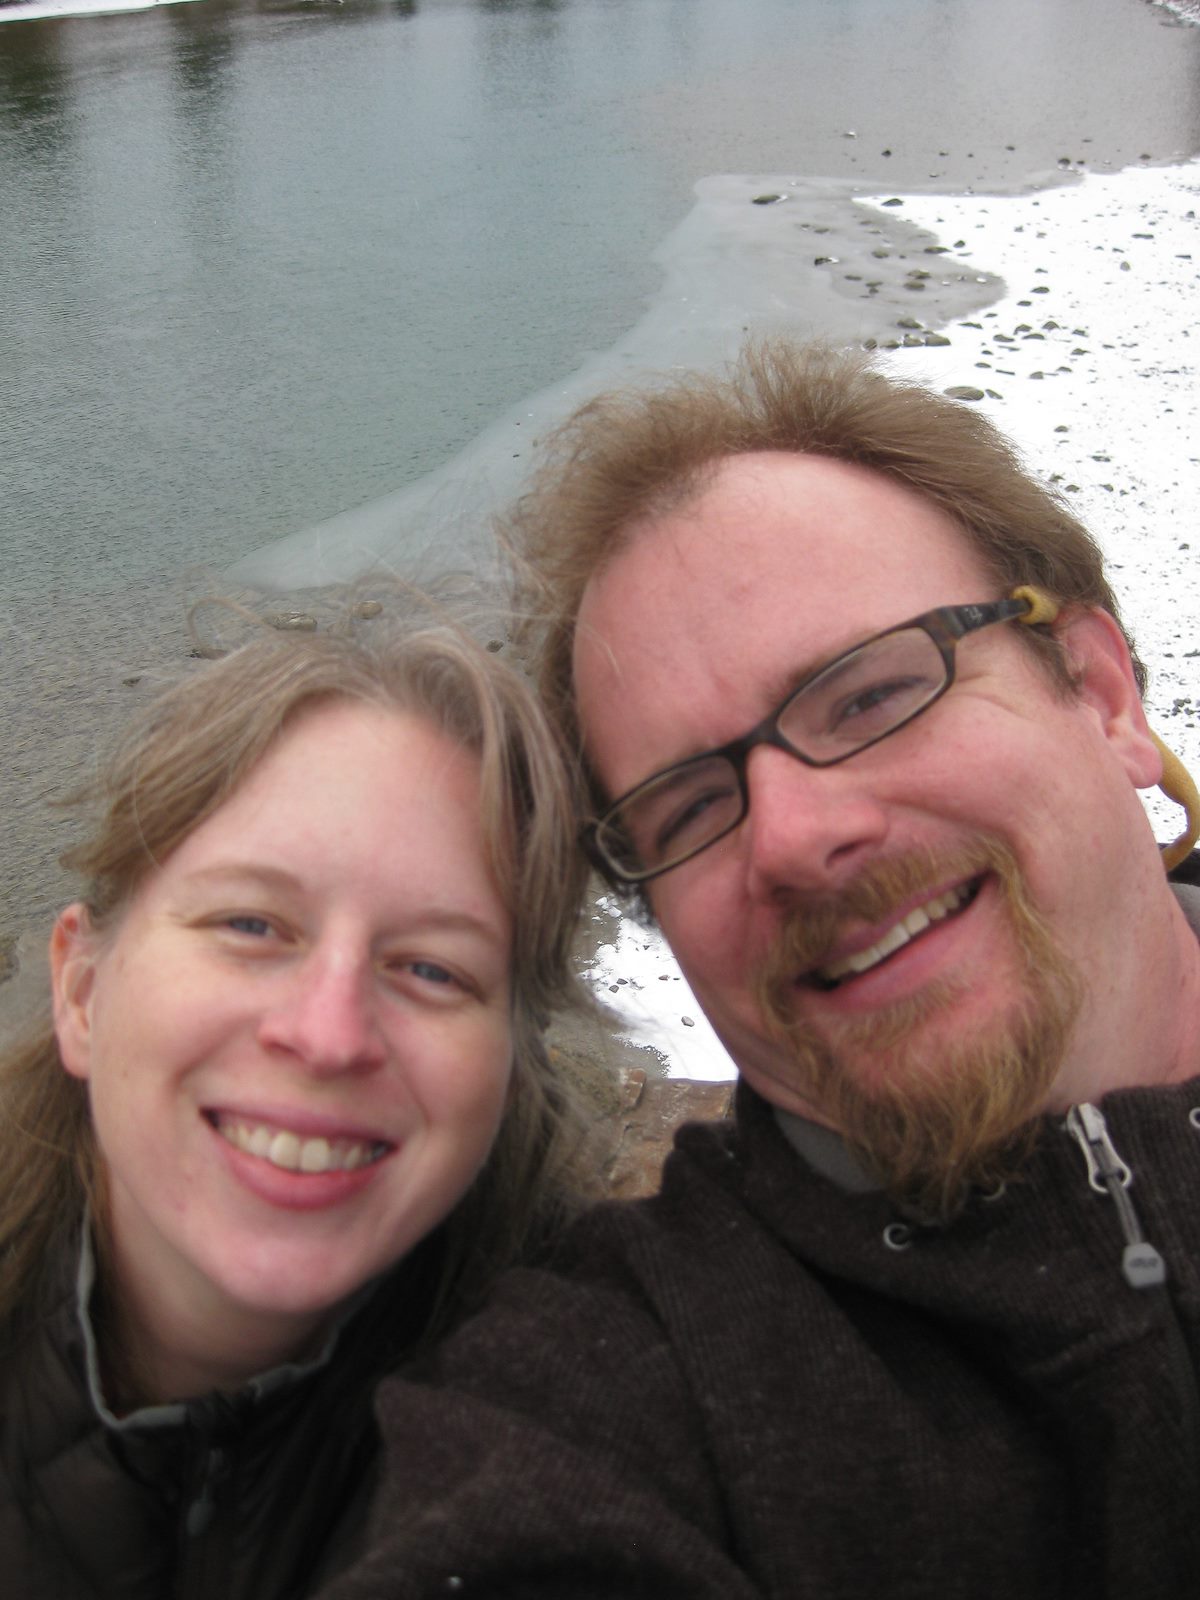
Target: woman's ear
{"x": 74, "y": 949}
{"x": 1103, "y": 671}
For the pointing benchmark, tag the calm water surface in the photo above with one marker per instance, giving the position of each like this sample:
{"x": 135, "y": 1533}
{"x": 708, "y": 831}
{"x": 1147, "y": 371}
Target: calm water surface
{"x": 263, "y": 262}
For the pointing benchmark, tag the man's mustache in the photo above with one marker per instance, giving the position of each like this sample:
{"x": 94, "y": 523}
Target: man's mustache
{"x": 818, "y": 924}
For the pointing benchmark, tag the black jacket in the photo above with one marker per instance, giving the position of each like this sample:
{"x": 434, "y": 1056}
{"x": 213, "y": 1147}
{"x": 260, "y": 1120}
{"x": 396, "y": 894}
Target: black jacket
{"x": 247, "y": 1496}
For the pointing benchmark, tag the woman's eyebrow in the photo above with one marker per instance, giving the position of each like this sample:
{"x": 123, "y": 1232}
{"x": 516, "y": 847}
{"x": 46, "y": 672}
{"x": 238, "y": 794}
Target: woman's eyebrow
{"x": 444, "y": 918}
{"x": 240, "y": 871}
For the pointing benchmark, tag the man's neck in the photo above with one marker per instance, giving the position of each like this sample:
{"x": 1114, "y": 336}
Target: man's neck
{"x": 1146, "y": 1029}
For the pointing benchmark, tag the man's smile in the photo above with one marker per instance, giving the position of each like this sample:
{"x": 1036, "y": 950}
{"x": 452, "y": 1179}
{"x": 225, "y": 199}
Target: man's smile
{"x": 901, "y": 932}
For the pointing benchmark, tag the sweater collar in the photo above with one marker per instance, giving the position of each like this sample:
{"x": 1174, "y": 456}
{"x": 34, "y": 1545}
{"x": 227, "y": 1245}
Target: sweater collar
{"x": 171, "y": 1414}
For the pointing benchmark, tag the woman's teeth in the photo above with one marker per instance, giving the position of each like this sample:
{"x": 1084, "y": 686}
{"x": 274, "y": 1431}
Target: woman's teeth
{"x": 898, "y": 935}
{"x": 294, "y": 1154}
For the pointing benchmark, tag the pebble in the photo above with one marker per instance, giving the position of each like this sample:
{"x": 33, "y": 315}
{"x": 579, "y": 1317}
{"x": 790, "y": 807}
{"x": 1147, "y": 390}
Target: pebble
{"x": 291, "y": 621}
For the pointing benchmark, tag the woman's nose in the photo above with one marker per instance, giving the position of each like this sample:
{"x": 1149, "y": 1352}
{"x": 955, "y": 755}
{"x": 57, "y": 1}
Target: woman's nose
{"x": 327, "y": 1018}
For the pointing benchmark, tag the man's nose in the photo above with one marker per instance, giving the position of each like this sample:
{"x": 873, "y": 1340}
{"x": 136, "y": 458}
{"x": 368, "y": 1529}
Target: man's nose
{"x": 808, "y": 829}
{"x": 326, "y": 1016}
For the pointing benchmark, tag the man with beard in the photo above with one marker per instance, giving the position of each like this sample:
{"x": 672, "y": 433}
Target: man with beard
{"x": 863, "y": 732}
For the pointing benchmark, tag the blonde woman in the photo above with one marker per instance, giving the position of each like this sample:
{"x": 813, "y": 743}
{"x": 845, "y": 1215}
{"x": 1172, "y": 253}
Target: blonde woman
{"x": 291, "y": 1108}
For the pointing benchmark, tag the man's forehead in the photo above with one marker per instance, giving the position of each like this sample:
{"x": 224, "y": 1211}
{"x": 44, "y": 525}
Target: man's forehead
{"x": 710, "y": 611}
{"x": 842, "y": 545}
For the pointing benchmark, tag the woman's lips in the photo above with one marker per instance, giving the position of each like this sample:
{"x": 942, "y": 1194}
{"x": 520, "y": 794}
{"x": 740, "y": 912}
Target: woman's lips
{"x": 296, "y": 1151}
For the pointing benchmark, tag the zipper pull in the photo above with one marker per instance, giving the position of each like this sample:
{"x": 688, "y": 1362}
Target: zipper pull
{"x": 200, "y": 1512}
{"x": 1141, "y": 1263}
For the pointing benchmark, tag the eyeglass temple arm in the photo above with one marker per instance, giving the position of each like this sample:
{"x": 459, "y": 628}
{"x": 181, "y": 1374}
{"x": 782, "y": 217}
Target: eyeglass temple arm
{"x": 1176, "y": 782}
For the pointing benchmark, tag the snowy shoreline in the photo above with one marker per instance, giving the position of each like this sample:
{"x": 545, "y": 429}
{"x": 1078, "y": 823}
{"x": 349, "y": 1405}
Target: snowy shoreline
{"x": 37, "y": 10}
{"x": 1087, "y": 362}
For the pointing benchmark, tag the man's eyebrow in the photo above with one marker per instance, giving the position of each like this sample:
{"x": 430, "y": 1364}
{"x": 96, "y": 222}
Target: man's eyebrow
{"x": 787, "y": 683}
{"x": 836, "y": 663}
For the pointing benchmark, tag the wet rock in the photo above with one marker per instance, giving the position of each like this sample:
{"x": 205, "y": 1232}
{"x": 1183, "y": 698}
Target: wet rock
{"x": 767, "y": 199}
{"x": 366, "y": 609}
{"x": 963, "y": 391}
{"x": 650, "y": 1111}
{"x": 909, "y": 322}
{"x": 936, "y": 339}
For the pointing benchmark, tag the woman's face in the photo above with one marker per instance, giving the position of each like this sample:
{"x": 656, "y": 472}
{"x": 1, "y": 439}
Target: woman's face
{"x": 297, "y": 1036}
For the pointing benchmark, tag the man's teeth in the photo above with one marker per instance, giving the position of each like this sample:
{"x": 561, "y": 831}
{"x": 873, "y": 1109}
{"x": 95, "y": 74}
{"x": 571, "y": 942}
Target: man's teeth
{"x": 899, "y": 934}
{"x": 294, "y": 1154}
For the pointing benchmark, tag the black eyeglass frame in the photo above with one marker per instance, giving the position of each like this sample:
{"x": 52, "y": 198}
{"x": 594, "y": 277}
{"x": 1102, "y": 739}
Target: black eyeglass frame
{"x": 945, "y": 626}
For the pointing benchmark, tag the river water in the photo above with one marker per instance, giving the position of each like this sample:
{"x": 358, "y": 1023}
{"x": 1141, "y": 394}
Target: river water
{"x": 266, "y": 263}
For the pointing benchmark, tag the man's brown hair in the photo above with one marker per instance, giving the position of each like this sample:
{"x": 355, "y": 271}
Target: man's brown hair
{"x": 634, "y": 454}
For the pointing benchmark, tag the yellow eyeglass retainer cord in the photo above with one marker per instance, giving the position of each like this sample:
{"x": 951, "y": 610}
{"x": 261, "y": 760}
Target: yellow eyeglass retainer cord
{"x": 1176, "y": 782}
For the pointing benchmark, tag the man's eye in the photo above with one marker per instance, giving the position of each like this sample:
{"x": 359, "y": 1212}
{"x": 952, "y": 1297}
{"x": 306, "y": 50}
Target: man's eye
{"x": 878, "y": 704}
{"x": 256, "y": 927}
{"x": 676, "y": 826}
{"x": 682, "y": 811}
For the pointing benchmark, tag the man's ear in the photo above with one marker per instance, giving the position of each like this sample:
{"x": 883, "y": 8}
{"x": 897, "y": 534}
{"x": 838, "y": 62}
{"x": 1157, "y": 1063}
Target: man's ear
{"x": 1100, "y": 663}
{"x": 74, "y": 949}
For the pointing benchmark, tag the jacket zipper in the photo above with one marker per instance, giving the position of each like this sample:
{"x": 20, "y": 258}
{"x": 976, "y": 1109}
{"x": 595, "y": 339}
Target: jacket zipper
{"x": 201, "y": 1571}
{"x": 1141, "y": 1263}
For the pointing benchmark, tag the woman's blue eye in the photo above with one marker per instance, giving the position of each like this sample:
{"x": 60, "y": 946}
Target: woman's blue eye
{"x": 431, "y": 972}
{"x": 253, "y": 925}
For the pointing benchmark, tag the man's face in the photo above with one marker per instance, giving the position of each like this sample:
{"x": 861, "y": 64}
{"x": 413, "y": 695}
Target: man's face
{"x": 699, "y": 628}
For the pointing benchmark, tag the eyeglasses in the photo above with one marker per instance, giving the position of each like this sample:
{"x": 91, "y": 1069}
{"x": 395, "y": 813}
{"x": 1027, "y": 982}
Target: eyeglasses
{"x": 848, "y": 705}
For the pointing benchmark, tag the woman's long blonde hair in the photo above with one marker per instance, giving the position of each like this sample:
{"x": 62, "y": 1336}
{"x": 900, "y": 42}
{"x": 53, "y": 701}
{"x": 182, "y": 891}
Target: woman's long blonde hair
{"x": 180, "y": 760}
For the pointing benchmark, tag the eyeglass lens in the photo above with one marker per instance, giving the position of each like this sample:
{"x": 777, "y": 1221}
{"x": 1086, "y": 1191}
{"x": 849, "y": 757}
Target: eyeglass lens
{"x": 856, "y": 700}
